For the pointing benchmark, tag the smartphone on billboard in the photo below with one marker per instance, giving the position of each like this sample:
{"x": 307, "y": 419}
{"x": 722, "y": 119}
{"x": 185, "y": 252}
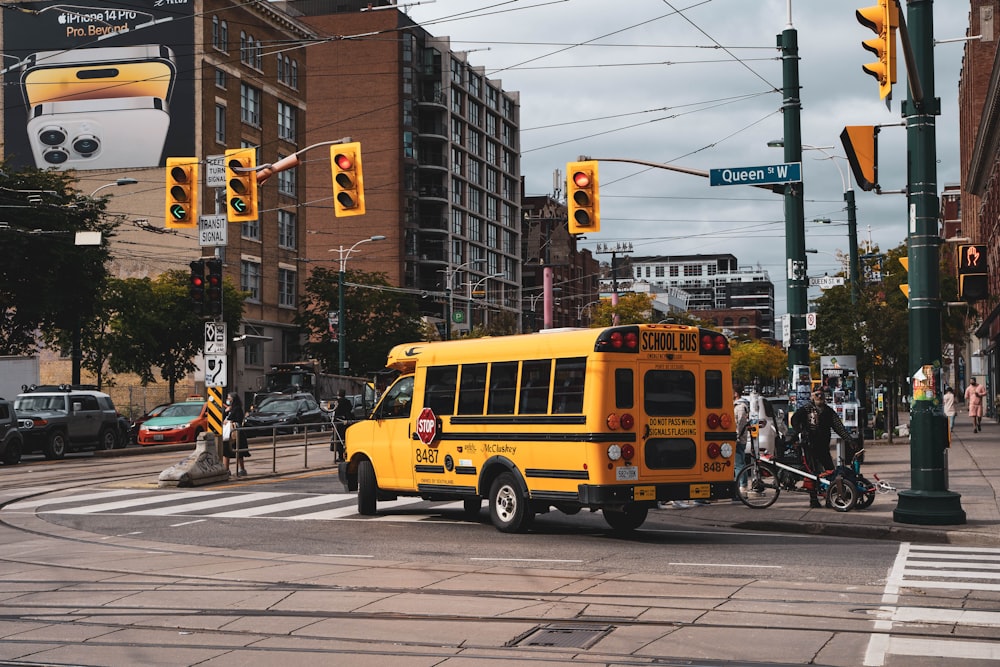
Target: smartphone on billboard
{"x": 98, "y": 73}
{"x": 99, "y": 133}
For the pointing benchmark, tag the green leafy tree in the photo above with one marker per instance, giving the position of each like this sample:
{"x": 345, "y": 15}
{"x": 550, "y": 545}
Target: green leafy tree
{"x": 47, "y": 282}
{"x": 757, "y": 361}
{"x": 377, "y": 316}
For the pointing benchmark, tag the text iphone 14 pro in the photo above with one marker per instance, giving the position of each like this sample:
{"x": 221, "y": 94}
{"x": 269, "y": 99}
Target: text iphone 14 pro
{"x": 98, "y": 73}
{"x": 99, "y": 134}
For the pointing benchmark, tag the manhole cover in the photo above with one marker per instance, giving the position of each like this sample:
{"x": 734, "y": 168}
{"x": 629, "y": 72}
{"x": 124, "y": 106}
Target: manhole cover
{"x": 562, "y": 636}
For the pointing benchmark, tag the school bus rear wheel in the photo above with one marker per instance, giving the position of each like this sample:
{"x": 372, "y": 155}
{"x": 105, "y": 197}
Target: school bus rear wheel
{"x": 509, "y": 509}
{"x": 628, "y": 518}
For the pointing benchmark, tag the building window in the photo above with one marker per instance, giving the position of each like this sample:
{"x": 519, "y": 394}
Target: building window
{"x": 457, "y": 162}
{"x": 281, "y": 67}
{"x": 492, "y": 208}
{"x": 408, "y": 145}
{"x": 288, "y": 181}
{"x": 246, "y": 45}
{"x": 457, "y": 188}
{"x": 286, "y": 287}
{"x": 456, "y": 222}
{"x": 286, "y": 122}
{"x": 659, "y": 271}
{"x": 220, "y": 124}
{"x": 491, "y": 125}
{"x": 508, "y": 108}
{"x": 492, "y": 97}
{"x": 258, "y": 56}
{"x": 294, "y": 82}
{"x": 674, "y": 272}
{"x": 475, "y": 85}
{"x": 457, "y": 100}
{"x": 457, "y": 132}
{"x": 250, "y": 279}
{"x": 221, "y": 79}
{"x": 286, "y": 229}
{"x": 475, "y": 229}
{"x": 475, "y": 113}
{"x": 250, "y": 230}
{"x": 456, "y": 71}
{"x": 692, "y": 270}
{"x": 250, "y": 105}
{"x": 220, "y": 34}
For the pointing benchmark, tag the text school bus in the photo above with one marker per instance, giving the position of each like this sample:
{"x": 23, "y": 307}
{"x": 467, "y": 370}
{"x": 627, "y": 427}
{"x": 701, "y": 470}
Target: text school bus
{"x": 609, "y": 419}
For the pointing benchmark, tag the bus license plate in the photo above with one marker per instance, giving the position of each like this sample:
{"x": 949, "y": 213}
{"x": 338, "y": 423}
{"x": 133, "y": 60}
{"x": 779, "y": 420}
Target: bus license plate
{"x": 627, "y": 473}
{"x": 700, "y": 491}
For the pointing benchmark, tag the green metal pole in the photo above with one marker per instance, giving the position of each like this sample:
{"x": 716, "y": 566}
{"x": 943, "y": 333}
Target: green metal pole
{"x": 342, "y": 323}
{"x": 928, "y": 502}
{"x": 797, "y": 281}
{"x": 852, "y": 243}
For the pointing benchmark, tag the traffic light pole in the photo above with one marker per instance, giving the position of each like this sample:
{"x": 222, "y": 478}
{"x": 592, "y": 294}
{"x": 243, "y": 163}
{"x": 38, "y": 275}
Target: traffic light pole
{"x": 797, "y": 280}
{"x": 928, "y": 502}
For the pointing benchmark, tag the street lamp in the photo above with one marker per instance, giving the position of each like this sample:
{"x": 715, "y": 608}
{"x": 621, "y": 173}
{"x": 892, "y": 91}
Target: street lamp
{"x": 472, "y": 288}
{"x": 120, "y": 181}
{"x": 449, "y": 288}
{"x": 580, "y": 309}
{"x": 343, "y": 255}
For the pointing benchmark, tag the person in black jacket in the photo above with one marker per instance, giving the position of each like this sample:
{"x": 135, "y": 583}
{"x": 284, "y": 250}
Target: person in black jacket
{"x": 235, "y": 446}
{"x": 814, "y": 421}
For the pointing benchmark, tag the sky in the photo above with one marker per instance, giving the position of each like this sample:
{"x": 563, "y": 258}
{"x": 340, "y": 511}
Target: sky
{"x": 696, "y": 83}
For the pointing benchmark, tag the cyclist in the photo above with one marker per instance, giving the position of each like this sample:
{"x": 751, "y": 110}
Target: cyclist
{"x": 813, "y": 421}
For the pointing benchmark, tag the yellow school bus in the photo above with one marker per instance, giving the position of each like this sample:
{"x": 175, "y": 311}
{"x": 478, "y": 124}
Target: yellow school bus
{"x": 611, "y": 419}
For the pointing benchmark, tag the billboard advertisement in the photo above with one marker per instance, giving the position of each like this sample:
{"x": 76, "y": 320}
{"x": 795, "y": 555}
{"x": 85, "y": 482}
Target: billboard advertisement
{"x": 103, "y": 86}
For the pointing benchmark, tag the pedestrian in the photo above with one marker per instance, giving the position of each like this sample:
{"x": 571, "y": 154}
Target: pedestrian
{"x": 235, "y": 445}
{"x": 950, "y": 408}
{"x": 814, "y": 421}
{"x": 343, "y": 412}
{"x": 974, "y": 394}
{"x": 741, "y": 410}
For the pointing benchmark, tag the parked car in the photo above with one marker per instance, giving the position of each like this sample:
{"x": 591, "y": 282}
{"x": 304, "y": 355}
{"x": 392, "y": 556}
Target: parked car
{"x": 291, "y": 413}
{"x": 142, "y": 419}
{"x": 11, "y": 440}
{"x": 58, "y": 419}
{"x": 177, "y": 423}
{"x": 771, "y": 422}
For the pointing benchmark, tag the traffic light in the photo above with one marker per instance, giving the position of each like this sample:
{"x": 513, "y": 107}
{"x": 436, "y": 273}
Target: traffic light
{"x": 861, "y": 145}
{"x": 973, "y": 279}
{"x": 182, "y": 192}
{"x": 348, "y": 179}
{"x": 213, "y": 283}
{"x": 196, "y": 287}
{"x": 905, "y": 287}
{"x": 583, "y": 197}
{"x": 883, "y": 20}
{"x": 241, "y": 184}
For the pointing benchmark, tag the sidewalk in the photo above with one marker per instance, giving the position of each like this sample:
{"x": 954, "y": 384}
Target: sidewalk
{"x": 974, "y": 473}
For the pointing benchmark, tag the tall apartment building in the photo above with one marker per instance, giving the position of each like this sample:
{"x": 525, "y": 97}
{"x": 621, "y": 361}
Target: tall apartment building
{"x": 440, "y": 146}
{"x": 729, "y": 294}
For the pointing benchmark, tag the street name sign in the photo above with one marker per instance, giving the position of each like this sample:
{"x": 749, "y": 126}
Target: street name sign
{"x": 826, "y": 282}
{"x": 789, "y": 172}
{"x": 213, "y": 231}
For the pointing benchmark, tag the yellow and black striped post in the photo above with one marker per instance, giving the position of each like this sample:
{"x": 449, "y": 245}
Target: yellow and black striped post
{"x": 215, "y": 409}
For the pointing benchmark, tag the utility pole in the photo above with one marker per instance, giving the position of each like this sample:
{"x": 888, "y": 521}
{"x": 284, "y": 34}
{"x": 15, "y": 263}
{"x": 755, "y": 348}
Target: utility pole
{"x": 605, "y": 249}
{"x": 797, "y": 280}
{"x": 928, "y": 502}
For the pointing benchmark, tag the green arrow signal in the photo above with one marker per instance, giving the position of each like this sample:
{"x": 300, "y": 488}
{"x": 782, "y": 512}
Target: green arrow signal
{"x": 238, "y": 204}
{"x": 178, "y": 212}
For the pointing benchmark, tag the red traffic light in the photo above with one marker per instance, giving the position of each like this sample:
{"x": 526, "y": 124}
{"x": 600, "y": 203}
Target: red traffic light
{"x": 197, "y": 281}
{"x": 343, "y": 161}
{"x": 581, "y": 179}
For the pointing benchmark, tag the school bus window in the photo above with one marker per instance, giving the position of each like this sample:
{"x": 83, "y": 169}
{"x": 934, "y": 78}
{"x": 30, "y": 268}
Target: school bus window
{"x": 440, "y": 395}
{"x": 567, "y": 395}
{"x": 472, "y": 390}
{"x": 503, "y": 385}
{"x": 536, "y": 376}
{"x": 670, "y": 454}
{"x": 624, "y": 388}
{"x": 669, "y": 393}
{"x": 713, "y": 389}
{"x": 397, "y": 400}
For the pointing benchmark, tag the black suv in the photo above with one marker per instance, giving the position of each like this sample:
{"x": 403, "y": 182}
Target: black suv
{"x": 58, "y": 419}
{"x": 11, "y": 440}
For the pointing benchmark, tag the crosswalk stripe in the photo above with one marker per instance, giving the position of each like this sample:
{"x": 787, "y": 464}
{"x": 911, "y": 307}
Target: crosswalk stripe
{"x": 132, "y": 502}
{"x": 207, "y": 504}
{"x": 340, "y": 512}
{"x": 55, "y": 500}
{"x": 949, "y": 616}
{"x": 261, "y": 510}
{"x": 944, "y": 648}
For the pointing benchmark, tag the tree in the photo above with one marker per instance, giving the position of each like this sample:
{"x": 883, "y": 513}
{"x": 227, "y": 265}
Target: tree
{"x": 631, "y": 309}
{"x": 47, "y": 282}
{"x": 378, "y": 316}
{"x": 755, "y": 361}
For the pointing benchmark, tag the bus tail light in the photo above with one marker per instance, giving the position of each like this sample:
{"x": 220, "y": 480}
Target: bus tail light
{"x": 726, "y": 421}
{"x": 614, "y": 422}
{"x": 614, "y": 452}
{"x": 627, "y": 421}
{"x": 618, "y": 339}
{"x": 713, "y": 450}
{"x": 628, "y": 452}
{"x": 713, "y": 342}
{"x": 714, "y": 421}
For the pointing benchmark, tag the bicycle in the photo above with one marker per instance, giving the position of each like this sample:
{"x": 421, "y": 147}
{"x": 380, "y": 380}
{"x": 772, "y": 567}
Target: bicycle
{"x": 763, "y": 477}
